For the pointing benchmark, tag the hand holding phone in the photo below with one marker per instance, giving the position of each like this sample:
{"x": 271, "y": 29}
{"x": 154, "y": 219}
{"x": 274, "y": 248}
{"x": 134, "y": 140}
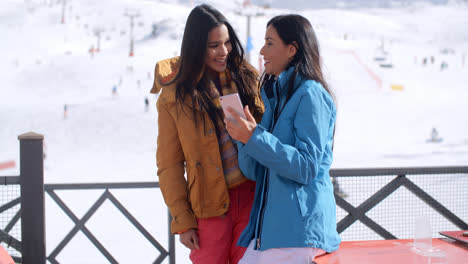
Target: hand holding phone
{"x": 232, "y": 101}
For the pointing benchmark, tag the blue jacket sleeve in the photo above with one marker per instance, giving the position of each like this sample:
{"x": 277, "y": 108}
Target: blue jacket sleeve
{"x": 301, "y": 162}
{"x": 247, "y": 164}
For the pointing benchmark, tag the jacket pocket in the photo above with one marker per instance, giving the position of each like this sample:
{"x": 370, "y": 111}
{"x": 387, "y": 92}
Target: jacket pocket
{"x": 313, "y": 200}
{"x": 306, "y": 200}
{"x": 193, "y": 188}
{"x": 301, "y": 210}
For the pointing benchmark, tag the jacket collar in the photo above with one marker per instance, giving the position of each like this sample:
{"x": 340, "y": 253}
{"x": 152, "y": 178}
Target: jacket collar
{"x": 283, "y": 79}
{"x": 284, "y": 76}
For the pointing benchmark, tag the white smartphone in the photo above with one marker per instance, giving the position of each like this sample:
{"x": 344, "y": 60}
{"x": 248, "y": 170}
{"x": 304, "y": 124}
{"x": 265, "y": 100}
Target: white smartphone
{"x": 232, "y": 101}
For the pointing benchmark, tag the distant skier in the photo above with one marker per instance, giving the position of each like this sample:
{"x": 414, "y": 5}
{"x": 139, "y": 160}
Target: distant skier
{"x": 432, "y": 59}
{"x": 424, "y": 61}
{"x": 91, "y": 51}
{"x": 114, "y": 90}
{"x": 65, "y": 111}
{"x": 434, "y": 136}
{"x": 443, "y": 65}
{"x": 146, "y": 104}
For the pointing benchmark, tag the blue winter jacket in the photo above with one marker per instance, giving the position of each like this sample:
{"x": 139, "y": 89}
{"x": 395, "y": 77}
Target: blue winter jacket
{"x": 294, "y": 204}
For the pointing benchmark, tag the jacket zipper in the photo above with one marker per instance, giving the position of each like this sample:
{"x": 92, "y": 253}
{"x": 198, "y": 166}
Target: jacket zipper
{"x": 265, "y": 194}
{"x": 262, "y": 211}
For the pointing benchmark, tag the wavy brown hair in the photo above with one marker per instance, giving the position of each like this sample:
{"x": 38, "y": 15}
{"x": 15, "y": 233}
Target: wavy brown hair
{"x": 191, "y": 77}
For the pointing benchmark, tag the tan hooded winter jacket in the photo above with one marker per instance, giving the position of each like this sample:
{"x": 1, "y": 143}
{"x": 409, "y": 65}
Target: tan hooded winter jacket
{"x": 183, "y": 147}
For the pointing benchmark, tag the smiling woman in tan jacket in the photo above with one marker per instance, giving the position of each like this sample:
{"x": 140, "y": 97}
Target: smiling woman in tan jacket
{"x": 211, "y": 206}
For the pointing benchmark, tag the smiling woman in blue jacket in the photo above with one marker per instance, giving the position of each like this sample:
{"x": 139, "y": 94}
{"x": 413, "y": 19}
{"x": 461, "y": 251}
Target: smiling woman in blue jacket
{"x": 289, "y": 153}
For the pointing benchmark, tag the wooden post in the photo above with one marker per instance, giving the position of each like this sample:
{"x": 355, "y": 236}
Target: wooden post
{"x": 32, "y": 198}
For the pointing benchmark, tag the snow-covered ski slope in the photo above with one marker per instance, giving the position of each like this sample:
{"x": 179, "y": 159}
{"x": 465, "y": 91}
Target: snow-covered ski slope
{"x": 111, "y": 138}
{"x": 46, "y": 64}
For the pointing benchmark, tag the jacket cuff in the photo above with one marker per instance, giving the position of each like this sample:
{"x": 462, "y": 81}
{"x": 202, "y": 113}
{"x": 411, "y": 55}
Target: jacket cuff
{"x": 250, "y": 146}
{"x": 183, "y": 222}
{"x": 183, "y": 231}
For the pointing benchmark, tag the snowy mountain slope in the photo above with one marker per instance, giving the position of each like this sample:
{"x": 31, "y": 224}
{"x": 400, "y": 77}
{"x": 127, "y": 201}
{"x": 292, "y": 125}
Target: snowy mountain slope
{"x": 48, "y": 66}
{"x": 45, "y": 64}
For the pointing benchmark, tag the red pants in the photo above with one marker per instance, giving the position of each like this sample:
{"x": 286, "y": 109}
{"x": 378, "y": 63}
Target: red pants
{"x": 218, "y": 235}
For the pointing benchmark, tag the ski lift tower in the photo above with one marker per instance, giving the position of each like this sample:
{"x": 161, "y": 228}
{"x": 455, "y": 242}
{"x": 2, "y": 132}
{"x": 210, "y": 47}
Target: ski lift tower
{"x": 64, "y": 4}
{"x": 97, "y": 32}
{"x": 131, "y": 13}
{"x": 248, "y": 10}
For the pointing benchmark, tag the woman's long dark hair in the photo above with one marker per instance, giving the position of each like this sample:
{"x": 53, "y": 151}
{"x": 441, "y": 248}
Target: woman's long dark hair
{"x": 297, "y": 30}
{"x": 191, "y": 77}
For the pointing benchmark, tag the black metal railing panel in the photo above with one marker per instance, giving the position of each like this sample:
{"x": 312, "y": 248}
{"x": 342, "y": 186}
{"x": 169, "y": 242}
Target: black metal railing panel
{"x": 9, "y": 180}
{"x": 372, "y": 203}
{"x": 10, "y": 214}
{"x": 106, "y": 196}
{"x": 385, "y": 203}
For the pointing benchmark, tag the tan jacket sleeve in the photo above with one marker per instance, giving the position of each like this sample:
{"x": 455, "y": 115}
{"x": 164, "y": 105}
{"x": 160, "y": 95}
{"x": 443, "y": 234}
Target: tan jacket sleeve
{"x": 170, "y": 161}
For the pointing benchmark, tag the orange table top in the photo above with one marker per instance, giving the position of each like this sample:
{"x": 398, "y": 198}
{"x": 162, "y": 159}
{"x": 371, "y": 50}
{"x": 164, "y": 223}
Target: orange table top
{"x": 444, "y": 250}
{"x": 4, "y": 257}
